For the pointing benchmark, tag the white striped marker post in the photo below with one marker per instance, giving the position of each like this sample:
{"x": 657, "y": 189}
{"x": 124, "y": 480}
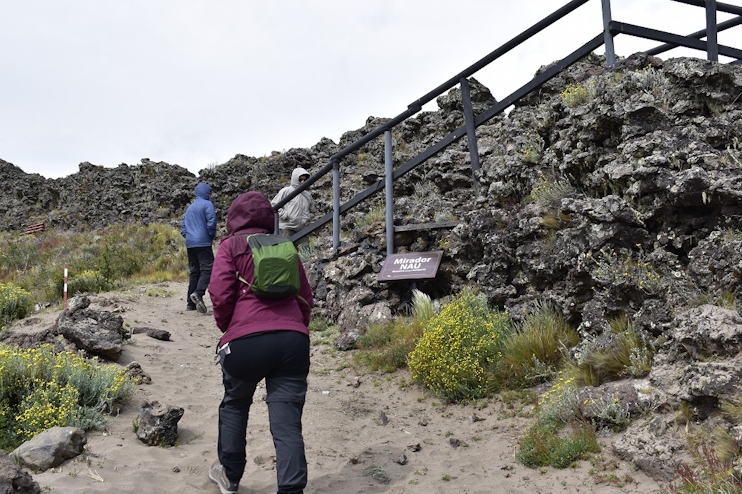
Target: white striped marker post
{"x": 65, "y": 286}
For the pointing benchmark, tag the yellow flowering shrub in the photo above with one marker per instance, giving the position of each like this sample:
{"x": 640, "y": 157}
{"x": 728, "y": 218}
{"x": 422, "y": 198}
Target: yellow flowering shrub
{"x": 459, "y": 349}
{"x": 40, "y": 388}
{"x": 48, "y": 405}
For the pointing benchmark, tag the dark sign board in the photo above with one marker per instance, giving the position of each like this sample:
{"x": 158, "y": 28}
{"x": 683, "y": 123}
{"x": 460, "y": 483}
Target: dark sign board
{"x": 411, "y": 266}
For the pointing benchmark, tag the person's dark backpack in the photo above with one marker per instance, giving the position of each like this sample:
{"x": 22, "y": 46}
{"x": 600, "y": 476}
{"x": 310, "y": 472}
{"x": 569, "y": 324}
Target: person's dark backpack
{"x": 276, "y": 262}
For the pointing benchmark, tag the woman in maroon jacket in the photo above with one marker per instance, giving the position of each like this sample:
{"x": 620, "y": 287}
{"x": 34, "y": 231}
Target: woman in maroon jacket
{"x": 262, "y": 339}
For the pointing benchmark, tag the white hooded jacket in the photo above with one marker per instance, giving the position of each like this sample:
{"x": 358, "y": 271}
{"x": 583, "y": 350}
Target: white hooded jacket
{"x": 298, "y": 212}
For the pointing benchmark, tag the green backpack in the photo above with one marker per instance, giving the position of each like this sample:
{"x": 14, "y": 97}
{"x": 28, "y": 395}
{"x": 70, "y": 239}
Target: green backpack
{"x": 276, "y": 263}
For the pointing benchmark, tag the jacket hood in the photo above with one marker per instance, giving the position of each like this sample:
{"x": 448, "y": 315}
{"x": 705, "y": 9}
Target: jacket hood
{"x": 203, "y": 190}
{"x": 251, "y": 210}
{"x": 296, "y": 174}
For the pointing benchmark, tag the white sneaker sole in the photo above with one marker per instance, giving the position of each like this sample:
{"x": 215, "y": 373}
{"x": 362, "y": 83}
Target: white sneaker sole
{"x": 222, "y": 490}
{"x": 200, "y": 306}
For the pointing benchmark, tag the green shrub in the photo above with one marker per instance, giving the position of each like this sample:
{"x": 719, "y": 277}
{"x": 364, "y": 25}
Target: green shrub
{"x": 712, "y": 469}
{"x": 47, "y": 405}
{"x": 15, "y": 303}
{"x": 386, "y": 347}
{"x": 459, "y": 349}
{"x": 45, "y": 282}
{"x": 156, "y": 251}
{"x": 321, "y": 332}
{"x": 545, "y": 444}
{"x": 377, "y": 335}
{"x": 532, "y": 353}
{"x": 622, "y": 352}
{"x": 40, "y": 389}
{"x": 547, "y": 441}
{"x": 19, "y": 254}
{"x": 609, "y": 413}
{"x": 117, "y": 261}
{"x": 119, "y": 254}
{"x": 88, "y": 281}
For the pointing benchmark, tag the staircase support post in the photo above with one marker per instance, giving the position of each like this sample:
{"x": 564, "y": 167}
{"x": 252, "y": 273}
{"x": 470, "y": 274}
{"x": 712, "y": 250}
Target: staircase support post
{"x": 335, "y": 205}
{"x": 610, "y": 51}
{"x": 389, "y": 184}
{"x": 471, "y": 132}
{"x": 712, "y": 42}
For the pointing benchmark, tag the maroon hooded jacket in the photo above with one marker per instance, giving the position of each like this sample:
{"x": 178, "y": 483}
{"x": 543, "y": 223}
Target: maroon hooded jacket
{"x": 237, "y": 310}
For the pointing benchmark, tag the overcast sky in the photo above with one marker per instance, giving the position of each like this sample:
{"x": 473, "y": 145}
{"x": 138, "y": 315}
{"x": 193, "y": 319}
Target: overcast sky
{"x": 194, "y": 82}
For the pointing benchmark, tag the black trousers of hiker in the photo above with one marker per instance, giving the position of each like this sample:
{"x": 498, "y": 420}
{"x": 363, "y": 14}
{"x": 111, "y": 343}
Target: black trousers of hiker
{"x": 200, "y": 262}
{"x": 282, "y": 359}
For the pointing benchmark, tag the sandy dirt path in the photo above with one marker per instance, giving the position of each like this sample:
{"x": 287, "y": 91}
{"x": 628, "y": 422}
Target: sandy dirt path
{"x": 354, "y": 423}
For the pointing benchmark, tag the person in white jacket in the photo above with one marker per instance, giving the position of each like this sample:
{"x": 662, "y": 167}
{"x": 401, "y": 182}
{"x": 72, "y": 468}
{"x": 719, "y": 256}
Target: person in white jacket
{"x": 298, "y": 212}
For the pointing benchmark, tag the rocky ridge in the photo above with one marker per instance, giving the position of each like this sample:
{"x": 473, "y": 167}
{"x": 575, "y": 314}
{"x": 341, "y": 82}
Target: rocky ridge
{"x": 609, "y": 192}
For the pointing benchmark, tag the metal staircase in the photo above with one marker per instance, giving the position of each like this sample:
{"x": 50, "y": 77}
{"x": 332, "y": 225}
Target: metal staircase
{"x": 611, "y": 28}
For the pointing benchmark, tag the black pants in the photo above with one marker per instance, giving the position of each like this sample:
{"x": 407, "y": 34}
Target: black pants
{"x": 200, "y": 262}
{"x": 282, "y": 359}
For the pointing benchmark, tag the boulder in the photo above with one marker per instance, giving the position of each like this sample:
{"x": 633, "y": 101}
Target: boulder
{"x": 157, "y": 425}
{"x": 98, "y": 333}
{"x": 51, "y": 448}
{"x": 13, "y": 480}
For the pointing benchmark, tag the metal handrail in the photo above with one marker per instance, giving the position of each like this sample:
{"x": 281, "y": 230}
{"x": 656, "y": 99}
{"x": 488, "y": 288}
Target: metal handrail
{"x": 722, "y": 26}
{"x": 721, "y": 7}
{"x": 416, "y": 106}
{"x": 610, "y": 29}
{"x": 662, "y": 36}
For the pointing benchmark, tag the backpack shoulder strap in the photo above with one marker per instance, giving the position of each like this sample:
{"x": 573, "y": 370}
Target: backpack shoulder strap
{"x": 231, "y": 252}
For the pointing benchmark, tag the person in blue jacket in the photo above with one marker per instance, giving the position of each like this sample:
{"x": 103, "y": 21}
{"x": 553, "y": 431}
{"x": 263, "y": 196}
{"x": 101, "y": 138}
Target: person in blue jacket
{"x": 199, "y": 229}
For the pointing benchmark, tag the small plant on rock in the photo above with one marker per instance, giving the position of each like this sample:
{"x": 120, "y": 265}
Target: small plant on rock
{"x": 532, "y": 148}
{"x": 627, "y": 270}
{"x": 547, "y": 194}
{"x": 376, "y": 214}
{"x": 619, "y": 353}
{"x": 577, "y": 94}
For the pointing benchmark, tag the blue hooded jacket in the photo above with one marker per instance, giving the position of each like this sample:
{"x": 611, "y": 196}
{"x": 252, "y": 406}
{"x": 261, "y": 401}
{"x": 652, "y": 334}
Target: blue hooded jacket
{"x": 199, "y": 221}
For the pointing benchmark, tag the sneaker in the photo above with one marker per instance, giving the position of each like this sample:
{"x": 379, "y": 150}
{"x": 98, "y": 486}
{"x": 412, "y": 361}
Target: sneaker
{"x": 199, "y": 301}
{"x": 190, "y": 307}
{"x": 217, "y": 476}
